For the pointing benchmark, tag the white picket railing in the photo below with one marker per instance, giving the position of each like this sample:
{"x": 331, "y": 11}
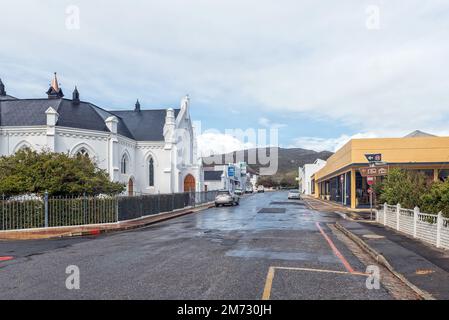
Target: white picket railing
{"x": 431, "y": 228}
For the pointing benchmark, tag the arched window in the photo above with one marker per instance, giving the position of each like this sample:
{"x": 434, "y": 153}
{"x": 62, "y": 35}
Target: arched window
{"x": 83, "y": 152}
{"x": 151, "y": 172}
{"x": 124, "y": 164}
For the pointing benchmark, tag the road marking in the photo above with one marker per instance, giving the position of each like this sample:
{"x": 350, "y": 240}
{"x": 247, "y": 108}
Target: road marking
{"x": 268, "y": 284}
{"x": 336, "y": 251}
{"x": 271, "y": 271}
{"x": 7, "y": 258}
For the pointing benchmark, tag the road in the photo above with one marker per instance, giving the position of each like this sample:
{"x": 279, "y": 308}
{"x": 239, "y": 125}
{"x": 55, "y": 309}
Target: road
{"x": 267, "y": 247}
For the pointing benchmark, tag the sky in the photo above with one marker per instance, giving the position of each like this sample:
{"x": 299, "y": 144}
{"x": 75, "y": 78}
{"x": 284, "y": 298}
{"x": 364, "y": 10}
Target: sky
{"x": 317, "y": 72}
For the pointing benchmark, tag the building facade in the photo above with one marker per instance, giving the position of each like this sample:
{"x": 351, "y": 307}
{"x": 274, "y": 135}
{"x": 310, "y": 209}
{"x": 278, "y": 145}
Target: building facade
{"x": 341, "y": 181}
{"x": 151, "y": 151}
{"x": 305, "y": 175}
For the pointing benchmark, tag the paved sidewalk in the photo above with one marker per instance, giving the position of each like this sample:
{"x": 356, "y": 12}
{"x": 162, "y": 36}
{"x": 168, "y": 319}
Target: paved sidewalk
{"x": 95, "y": 229}
{"x": 328, "y": 206}
{"x": 421, "y": 265}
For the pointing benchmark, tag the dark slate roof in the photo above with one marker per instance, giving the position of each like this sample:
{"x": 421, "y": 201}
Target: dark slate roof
{"x": 212, "y": 175}
{"x": 7, "y": 97}
{"x": 145, "y": 125}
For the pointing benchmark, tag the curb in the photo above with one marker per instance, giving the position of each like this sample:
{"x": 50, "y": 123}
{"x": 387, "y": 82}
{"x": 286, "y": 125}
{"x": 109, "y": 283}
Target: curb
{"x": 383, "y": 261}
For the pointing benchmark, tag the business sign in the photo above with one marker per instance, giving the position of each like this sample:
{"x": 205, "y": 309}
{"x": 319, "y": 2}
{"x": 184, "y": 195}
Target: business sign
{"x": 374, "y": 171}
{"x": 374, "y": 157}
{"x": 370, "y": 180}
{"x": 231, "y": 171}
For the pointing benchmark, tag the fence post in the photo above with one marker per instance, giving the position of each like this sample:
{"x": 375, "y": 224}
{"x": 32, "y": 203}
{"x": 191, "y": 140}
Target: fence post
{"x": 439, "y": 226}
{"x": 46, "y": 209}
{"x": 116, "y": 207}
{"x": 398, "y": 209}
{"x": 385, "y": 213}
{"x": 415, "y": 221}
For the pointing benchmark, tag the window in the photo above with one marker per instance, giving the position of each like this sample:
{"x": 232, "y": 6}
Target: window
{"x": 82, "y": 152}
{"x": 151, "y": 172}
{"x": 124, "y": 164}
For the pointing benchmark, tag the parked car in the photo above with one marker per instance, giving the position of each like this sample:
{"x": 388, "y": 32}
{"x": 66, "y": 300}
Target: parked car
{"x": 260, "y": 189}
{"x": 238, "y": 191}
{"x": 294, "y": 194}
{"x": 225, "y": 197}
{"x": 249, "y": 189}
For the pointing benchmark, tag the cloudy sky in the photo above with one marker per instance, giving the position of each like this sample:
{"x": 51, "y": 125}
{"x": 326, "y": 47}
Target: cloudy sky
{"x": 319, "y": 72}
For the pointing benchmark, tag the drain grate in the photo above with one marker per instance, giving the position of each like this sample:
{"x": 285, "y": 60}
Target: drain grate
{"x": 272, "y": 210}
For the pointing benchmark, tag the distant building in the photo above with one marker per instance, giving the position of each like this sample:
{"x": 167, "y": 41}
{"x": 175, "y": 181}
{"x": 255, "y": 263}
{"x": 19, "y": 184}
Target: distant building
{"x": 341, "y": 179}
{"x": 232, "y": 176}
{"x": 213, "y": 179}
{"x": 305, "y": 175}
{"x": 150, "y": 151}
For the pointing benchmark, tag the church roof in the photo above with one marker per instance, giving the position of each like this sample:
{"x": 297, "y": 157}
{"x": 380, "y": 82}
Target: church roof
{"x": 146, "y": 125}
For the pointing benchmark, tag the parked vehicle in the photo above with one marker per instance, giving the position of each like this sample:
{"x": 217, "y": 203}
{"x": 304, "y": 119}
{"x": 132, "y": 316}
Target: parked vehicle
{"x": 294, "y": 194}
{"x": 238, "y": 191}
{"x": 249, "y": 189}
{"x": 260, "y": 189}
{"x": 225, "y": 197}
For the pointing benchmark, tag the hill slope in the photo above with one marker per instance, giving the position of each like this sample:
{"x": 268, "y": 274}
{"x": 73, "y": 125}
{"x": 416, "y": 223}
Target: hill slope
{"x": 288, "y": 159}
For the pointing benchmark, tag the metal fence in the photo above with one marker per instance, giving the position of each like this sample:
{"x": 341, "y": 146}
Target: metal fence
{"x": 33, "y": 211}
{"x": 431, "y": 228}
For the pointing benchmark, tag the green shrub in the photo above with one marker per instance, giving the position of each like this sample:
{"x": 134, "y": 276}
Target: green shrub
{"x": 28, "y": 171}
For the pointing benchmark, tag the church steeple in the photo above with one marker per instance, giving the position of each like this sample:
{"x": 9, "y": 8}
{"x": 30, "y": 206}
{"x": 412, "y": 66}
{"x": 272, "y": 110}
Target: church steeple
{"x": 2, "y": 88}
{"x": 55, "y": 92}
{"x": 76, "y": 96}
{"x": 137, "y": 107}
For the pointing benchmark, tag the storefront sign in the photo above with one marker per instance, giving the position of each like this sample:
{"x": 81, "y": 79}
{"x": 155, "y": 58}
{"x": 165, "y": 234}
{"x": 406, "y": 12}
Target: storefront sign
{"x": 231, "y": 171}
{"x": 374, "y": 171}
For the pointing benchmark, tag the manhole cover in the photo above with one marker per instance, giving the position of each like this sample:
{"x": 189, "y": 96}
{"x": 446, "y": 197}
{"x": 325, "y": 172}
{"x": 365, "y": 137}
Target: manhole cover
{"x": 373, "y": 236}
{"x": 272, "y": 210}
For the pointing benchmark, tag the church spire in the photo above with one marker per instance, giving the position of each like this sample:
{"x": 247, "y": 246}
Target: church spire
{"x": 2, "y": 88}
{"x": 54, "y": 92}
{"x": 76, "y": 96}
{"x": 137, "y": 107}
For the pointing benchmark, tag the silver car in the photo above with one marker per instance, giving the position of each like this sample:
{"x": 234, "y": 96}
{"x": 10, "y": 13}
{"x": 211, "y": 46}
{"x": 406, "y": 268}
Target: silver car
{"x": 226, "y": 198}
{"x": 294, "y": 194}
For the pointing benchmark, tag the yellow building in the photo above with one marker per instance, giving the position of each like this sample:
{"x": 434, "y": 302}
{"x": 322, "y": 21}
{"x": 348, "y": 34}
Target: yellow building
{"x": 341, "y": 181}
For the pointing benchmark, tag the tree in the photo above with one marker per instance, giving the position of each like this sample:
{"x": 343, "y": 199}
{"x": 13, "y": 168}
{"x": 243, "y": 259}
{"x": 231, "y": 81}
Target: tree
{"x": 28, "y": 171}
{"x": 436, "y": 199}
{"x": 404, "y": 187}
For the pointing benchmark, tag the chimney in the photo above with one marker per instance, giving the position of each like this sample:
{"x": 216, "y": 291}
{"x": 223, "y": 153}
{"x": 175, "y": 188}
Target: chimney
{"x": 76, "y": 96}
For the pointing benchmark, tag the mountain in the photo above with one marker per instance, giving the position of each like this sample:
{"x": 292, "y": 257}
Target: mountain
{"x": 289, "y": 159}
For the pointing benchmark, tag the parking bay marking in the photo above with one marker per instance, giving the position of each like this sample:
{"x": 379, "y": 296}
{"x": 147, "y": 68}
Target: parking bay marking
{"x": 271, "y": 272}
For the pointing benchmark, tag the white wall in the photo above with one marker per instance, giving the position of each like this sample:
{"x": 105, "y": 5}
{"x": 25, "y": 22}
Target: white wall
{"x": 305, "y": 173}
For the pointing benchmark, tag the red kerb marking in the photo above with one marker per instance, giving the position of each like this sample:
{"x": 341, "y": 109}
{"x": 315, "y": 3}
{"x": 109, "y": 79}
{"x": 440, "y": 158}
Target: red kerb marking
{"x": 94, "y": 232}
{"x": 6, "y": 258}
{"x": 334, "y": 248}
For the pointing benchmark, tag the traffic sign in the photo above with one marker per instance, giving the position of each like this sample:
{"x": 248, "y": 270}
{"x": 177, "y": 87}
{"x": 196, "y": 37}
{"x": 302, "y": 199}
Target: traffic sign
{"x": 373, "y": 157}
{"x": 231, "y": 171}
{"x": 374, "y": 171}
{"x": 370, "y": 180}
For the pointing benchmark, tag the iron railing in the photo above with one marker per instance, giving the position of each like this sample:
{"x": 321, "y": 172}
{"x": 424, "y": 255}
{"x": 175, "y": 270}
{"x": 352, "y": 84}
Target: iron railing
{"x": 40, "y": 211}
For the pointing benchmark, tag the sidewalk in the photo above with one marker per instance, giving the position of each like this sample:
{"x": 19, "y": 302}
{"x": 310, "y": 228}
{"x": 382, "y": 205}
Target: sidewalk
{"x": 424, "y": 268}
{"x": 96, "y": 229}
{"x": 329, "y": 206}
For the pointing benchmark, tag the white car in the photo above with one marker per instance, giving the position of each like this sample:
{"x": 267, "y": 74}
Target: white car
{"x": 226, "y": 198}
{"x": 294, "y": 194}
{"x": 260, "y": 189}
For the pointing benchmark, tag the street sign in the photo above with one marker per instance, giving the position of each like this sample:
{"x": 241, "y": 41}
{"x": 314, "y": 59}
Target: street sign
{"x": 370, "y": 181}
{"x": 374, "y": 171}
{"x": 373, "y": 157}
{"x": 231, "y": 171}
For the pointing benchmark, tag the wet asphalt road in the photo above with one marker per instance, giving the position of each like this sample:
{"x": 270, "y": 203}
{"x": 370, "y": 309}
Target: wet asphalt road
{"x": 219, "y": 253}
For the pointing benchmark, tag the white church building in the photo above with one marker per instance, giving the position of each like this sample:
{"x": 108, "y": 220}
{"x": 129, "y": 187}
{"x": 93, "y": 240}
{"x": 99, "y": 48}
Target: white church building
{"x": 151, "y": 151}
